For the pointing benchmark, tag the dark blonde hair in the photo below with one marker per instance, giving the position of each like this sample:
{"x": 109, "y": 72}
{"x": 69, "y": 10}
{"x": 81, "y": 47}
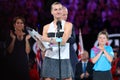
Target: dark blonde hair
{"x": 104, "y": 33}
{"x": 55, "y": 3}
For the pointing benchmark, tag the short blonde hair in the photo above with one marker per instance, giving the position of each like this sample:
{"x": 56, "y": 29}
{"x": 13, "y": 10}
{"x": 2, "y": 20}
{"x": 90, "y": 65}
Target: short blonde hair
{"x": 104, "y": 33}
{"x": 65, "y": 8}
{"x": 55, "y": 3}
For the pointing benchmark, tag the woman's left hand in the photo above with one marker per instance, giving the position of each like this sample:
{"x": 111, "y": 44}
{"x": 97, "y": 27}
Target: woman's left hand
{"x": 28, "y": 37}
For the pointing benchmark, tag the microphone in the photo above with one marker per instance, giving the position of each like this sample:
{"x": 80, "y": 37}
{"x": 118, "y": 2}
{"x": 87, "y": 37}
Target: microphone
{"x": 59, "y": 26}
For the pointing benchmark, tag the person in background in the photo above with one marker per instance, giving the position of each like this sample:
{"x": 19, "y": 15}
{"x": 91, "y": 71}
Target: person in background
{"x": 50, "y": 66}
{"x": 84, "y": 69}
{"x": 18, "y": 48}
{"x": 64, "y": 13}
{"x": 115, "y": 69}
{"x": 71, "y": 40}
{"x": 118, "y": 69}
{"x": 102, "y": 57}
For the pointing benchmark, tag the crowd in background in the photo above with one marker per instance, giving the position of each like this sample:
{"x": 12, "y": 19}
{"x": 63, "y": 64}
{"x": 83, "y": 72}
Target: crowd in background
{"x": 94, "y": 15}
{"x": 89, "y": 15}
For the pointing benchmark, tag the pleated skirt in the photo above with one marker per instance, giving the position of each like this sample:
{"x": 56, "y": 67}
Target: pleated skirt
{"x": 53, "y": 68}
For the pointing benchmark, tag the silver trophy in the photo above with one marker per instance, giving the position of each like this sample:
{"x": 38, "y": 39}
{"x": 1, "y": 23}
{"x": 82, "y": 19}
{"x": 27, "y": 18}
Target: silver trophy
{"x": 37, "y": 37}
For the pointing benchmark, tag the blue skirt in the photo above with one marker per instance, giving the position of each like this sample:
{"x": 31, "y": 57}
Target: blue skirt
{"x": 50, "y": 68}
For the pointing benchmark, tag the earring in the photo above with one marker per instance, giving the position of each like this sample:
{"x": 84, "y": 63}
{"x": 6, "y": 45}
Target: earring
{"x": 15, "y": 29}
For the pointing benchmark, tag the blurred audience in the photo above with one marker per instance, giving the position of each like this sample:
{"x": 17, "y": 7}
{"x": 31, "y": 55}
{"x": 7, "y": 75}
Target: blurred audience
{"x": 101, "y": 10}
{"x": 116, "y": 64}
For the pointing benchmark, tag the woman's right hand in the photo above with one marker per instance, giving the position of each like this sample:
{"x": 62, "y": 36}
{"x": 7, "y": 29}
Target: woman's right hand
{"x": 12, "y": 35}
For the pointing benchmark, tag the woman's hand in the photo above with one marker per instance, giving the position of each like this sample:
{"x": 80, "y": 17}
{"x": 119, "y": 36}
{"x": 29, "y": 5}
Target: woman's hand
{"x": 28, "y": 37}
{"x": 12, "y": 35}
{"x": 27, "y": 44}
{"x": 102, "y": 49}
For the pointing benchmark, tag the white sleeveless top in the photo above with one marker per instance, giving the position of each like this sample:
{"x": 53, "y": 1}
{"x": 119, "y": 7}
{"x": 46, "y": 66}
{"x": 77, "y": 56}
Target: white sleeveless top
{"x": 64, "y": 50}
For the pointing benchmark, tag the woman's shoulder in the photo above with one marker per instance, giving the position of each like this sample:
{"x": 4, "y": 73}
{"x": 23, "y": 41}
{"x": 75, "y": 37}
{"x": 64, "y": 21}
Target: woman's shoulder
{"x": 68, "y": 23}
{"x": 109, "y": 47}
{"x": 46, "y": 26}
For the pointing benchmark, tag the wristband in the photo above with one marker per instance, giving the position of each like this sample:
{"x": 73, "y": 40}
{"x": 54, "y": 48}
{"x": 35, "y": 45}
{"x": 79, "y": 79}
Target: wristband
{"x": 58, "y": 39}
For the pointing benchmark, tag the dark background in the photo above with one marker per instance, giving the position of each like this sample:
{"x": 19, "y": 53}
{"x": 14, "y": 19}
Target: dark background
{"x": 91, "y": 16}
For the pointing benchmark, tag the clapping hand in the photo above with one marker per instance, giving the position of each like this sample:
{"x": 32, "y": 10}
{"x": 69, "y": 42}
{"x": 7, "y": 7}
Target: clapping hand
{"x": 102, "y": 49}
{"x": 28, "y": 37}
{"x": 12, "y": 35}
{"x": 86, "y": 74}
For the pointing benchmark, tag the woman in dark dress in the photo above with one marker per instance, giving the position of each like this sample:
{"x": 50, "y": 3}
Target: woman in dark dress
{"x": 18, "y": 49}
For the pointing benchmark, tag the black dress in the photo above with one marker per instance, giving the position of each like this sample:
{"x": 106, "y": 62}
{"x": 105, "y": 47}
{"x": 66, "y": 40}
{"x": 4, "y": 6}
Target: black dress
{"x": 18, "y": 61}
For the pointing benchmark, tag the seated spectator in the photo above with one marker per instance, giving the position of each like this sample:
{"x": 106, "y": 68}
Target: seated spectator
{"x": 84, "y": 68}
